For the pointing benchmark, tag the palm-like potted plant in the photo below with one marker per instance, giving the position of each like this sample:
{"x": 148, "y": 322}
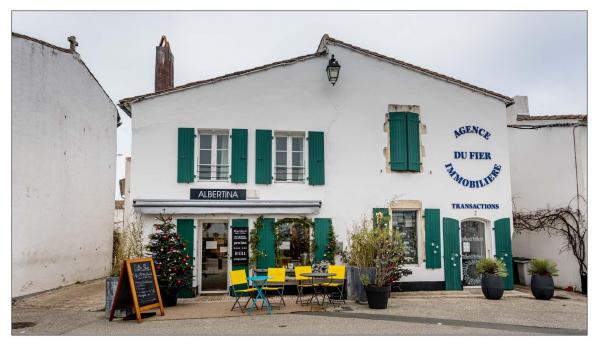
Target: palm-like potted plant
{"x": 493, "y": 271}
{"x": 541, "y": 283}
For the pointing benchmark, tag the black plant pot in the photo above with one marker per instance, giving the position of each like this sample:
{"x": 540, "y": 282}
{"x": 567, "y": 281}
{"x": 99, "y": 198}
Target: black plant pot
{"x": 542, "y": 286}
{"x": 377, "y": 296}
{"x": 169, "y": 296}
{"x": 492, "y": 286}
{"x": 583, "y": 283}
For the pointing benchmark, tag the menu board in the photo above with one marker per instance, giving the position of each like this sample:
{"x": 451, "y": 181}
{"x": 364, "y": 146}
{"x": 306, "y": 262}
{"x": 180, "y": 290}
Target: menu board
{"x": 137, "y": 288}
{"x": 240, "y": 246}
{"x": 143, "y": 280}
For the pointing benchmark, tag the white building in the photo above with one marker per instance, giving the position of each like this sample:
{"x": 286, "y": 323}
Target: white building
{"x": 281, "y": 141}
{"x": 63, "y": 168}
{"x": 548, "y": 155}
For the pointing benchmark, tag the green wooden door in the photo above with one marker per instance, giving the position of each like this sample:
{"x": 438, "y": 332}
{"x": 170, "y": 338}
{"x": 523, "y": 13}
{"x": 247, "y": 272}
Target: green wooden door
{"x": 266, "y": 244}
{"x": 321, "y": 237}
{"x": 185, "y": 230}
{"x": 451, "y": 254}
{"x": 432, "y": 236}
{"x": 503, "y": 249}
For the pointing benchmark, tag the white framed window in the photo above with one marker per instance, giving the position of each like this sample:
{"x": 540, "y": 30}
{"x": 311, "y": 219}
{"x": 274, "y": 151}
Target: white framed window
{"x": 289, "y": 155}
{"x": 405, "y": 222}
{"x": 213, "y": 155}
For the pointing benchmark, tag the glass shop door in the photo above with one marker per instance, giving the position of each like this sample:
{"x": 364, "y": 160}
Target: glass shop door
{"x": 215, "y": 254}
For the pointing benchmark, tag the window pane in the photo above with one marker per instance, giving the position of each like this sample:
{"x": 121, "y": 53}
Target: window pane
{"x": 205, "y": 157}
{"x": 297, "y": 158}
{"x": 204, "y": 173}
{"x": 297, "y": 173}
{"x": 297, "y": 144}
{"x": 222, "y": 157}
{"x": 281, "y": 173}
{"x": 281, "y": 143}
{"x": 222, "y": 172}
{"x": 205, "y": 141}
{"x": 404, "y": 222}
{"x": 295, "y": 244}
{"x": 222, "y": 141}
{"x": 281, "y": 159}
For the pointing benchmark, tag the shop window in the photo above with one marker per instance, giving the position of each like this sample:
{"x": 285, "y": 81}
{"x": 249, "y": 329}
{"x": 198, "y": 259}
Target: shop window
{"x": 289, "y": 158}
{"x": 405, "y": 223}
{"x": 295, "y": 244}
{"x": 213, "y": 155}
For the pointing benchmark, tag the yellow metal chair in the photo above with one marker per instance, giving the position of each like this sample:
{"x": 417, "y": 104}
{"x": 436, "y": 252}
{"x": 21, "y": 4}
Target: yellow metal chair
{"x": 239, "y": 284}
{"x": 276, "y": 283}
{"x": 336, "y": 283}
{"x": 302, "y": 282}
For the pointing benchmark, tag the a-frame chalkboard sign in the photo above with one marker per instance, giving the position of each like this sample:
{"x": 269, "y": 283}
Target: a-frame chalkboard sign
{"x": 137, "y": 287}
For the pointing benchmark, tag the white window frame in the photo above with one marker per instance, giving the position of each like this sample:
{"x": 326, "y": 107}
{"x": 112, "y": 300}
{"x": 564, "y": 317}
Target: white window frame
{"x": 419, "y": 235}
{"x": 213, "y": 154}
{"x": 289, "y": 162}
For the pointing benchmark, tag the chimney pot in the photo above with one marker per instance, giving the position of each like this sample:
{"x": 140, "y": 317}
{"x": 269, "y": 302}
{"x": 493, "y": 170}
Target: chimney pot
{"x": 165, "y": 71}
{"x": 73, "y": 43}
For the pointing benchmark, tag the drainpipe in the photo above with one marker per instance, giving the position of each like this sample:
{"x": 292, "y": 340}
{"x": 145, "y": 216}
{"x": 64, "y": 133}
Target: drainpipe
{"x": 576, "y": 170}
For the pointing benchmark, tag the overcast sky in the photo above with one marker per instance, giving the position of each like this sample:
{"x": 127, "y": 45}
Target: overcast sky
{"x": 539, "y": 54}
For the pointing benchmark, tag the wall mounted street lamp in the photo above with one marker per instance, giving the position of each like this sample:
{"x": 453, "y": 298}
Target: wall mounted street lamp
{"x": 333, "y": 70}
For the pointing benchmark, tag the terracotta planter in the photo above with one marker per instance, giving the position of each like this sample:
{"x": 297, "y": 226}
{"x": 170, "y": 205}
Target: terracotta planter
{"x": 492, "y": 286}
{"x": 378, "y": 297}
{"x": 542, "y": 287}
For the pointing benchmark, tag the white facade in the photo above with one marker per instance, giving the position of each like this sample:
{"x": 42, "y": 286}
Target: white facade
{"x": 63, "y": 169}
{"x": 549, "y": 168}
{"x": 352, "y": 114}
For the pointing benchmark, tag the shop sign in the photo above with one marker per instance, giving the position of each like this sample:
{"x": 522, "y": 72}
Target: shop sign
{"x": 218, "y": 194}
{"x": 474, "y": 206}
{"x": 240, "y": 237}
{"x": 478, "y": 156}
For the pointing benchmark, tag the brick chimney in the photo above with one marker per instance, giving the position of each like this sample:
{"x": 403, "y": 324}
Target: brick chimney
{"x": 165, "y": 70}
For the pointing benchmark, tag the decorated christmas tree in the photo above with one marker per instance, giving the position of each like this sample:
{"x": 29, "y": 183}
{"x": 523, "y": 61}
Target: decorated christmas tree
{"x": 168, "y": 252}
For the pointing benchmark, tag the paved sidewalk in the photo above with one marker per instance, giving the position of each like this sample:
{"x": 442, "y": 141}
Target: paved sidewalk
{"x": 77, "y": 310}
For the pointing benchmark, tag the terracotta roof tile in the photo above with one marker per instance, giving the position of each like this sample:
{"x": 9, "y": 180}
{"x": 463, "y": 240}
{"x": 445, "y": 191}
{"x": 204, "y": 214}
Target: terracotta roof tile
{"x": 552, "y": 117}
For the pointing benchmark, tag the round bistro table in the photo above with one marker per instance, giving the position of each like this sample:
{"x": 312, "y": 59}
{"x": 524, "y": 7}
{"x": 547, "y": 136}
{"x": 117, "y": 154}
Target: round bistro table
{"x": 315, "y": 287}
{"x": 258, "y": 282}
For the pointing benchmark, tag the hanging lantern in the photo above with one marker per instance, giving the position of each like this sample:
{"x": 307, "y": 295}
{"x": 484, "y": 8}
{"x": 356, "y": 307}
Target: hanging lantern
{"x": 333, "y": 70}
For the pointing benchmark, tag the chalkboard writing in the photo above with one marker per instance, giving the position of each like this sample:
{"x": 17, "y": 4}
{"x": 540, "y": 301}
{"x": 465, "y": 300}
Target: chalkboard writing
{"x": 143, "y": 279}
{"x": 240, "y": 246}
{"x": 137, "y": 288}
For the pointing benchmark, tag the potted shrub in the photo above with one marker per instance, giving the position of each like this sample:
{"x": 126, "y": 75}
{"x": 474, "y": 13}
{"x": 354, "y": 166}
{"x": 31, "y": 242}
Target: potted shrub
{"x": 381, "y": 248}
{"x": 541, "y": 283}
{"x": 493, "y": 271}
{"x": 170, "y": 261}
{"x": 126, "y": 243}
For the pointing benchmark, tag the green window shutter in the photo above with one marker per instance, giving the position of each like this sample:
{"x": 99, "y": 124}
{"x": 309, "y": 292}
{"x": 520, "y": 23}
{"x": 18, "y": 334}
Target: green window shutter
{"x": 185, "y": 231}
{"x": 398, "y": 141}
{"x": 385, "y": 212}
{"x": 239, "y": 154}
{"x": 321, "y": 237}
{"x": 452, "y": 258}
{"x": 266, "y": 244}
{"x": 263, "y": 156}
{"x": 240, "y": 223}
{"x": 316, "y": 158}
{"x": 413, "y": 136}
{"x": 185, "y": 157}
{"x": 503, "y": 249}
{"x": 432, "y": 236}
